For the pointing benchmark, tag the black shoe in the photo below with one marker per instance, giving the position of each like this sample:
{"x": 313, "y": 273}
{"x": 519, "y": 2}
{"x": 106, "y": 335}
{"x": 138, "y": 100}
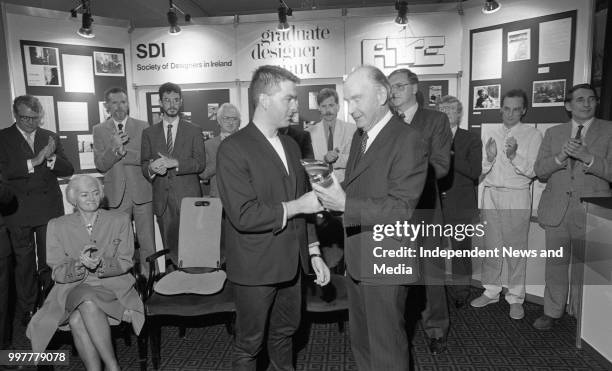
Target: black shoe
{"x": 437, "y": 346}
{"x": 460, "y": 303}
{"x": 27, "y": 316}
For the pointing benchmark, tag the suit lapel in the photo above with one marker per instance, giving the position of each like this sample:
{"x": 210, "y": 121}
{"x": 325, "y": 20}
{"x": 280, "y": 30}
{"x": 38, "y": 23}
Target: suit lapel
{"x": 21, "y": 141}
{"x": 593, "y": 133}
{"x": 161, "y": 138}
{"x": 291, "y": 161}
{"x": 376, "y": 148}
{"x": 180, "y": 139}
{"x": 268, "y": 149}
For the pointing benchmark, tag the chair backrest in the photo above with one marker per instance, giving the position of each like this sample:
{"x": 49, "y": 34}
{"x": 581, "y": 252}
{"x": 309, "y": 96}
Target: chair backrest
{"x": 199, "y": 242}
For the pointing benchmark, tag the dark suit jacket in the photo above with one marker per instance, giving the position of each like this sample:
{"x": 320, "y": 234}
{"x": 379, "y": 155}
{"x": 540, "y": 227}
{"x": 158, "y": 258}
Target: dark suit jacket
{"x": 190, "y": 153}
{"x": 6, "y": 197}
{"x": 252, "y": 184}
{"x": 121, "y": 172}
{"x": 561, "y": 180}
{"x": 210, "y": 172}
{"x": 301, "y": 137}
{"x": 383, "y": 187}
{"x": 459, "y": 187}
{"x": 435, "y": 129}
{"x": 38, "y": 194}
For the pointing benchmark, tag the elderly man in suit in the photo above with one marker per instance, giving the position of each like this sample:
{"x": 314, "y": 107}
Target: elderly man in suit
{"x": 331, "y": 137}
{"x": 172, "y": 155}
{"x": 31, "y": 159}
{"x": 6, "y": 198}
{"x": 459, "y": 193}
{"x": 508, "y": 171}
{"x": 269, "y": 242}
{"x": 228, "y": 118}
{"x": 117, "y": 144}
{"x": 575, "y": 160}
{"x": 436, "y": 133}
{"x": 385, "y": 175}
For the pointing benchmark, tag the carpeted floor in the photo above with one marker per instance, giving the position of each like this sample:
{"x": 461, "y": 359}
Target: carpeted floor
{"x": 480, "y": 339}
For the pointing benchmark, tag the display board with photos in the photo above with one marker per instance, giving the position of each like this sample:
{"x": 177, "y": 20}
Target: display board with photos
{"x": 70, "y": 81}
{"x": 199, "y": 107}
{"x": 536, "y": 55}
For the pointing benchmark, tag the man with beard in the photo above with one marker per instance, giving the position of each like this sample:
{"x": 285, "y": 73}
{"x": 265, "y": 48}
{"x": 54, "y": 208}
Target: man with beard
{"x": 117, "y": 144}
{"x": 436, "y": 133}
{"x": 172, "y": 156}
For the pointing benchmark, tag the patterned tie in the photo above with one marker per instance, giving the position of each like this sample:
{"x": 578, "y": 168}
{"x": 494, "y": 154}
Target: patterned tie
{"x": 169, "y": 142}
{"x": 120, "y": 126}
{"x": 579, "y": 133}
{"x": 362, "y": 148}
{"x": 30, "y": 140}
{"x": 330, "y": 139}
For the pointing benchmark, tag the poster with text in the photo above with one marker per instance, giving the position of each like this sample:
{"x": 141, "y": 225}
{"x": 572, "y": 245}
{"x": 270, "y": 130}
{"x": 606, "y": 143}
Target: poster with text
{"x": 519, "y": 45}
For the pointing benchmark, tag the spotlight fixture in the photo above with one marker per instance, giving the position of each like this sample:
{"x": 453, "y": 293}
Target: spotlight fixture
{"x": 490, "y": 6}
{"x": 402, "y": 13}
{"x": 283, "y": 11}
{"x": 86, "y": 29}
{"x": 173, "y": 18}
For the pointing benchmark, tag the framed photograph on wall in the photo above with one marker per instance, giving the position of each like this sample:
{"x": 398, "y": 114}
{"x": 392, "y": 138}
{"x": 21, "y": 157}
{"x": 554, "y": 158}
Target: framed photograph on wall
{"x": 486, "y": 97}
{"x": 548, "y": 93}
{"x": 519, "y": 45}
{"x": 109, "y": 64}
{"x": 42, "y": 66}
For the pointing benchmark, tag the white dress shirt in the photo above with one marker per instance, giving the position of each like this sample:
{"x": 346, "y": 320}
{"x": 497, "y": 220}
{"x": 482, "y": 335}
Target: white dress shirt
{"x": 376, "y": 129}
{"x": 518, "y": 172}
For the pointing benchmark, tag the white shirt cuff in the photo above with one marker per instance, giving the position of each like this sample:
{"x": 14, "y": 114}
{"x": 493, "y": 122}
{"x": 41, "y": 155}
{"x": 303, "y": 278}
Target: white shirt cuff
{"x": 313, "y": 248}
{"x": 284, "y": 214}
{"x": 30, "y": 167}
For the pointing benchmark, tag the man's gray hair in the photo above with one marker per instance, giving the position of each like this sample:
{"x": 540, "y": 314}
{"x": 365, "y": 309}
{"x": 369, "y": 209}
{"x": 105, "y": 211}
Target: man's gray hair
{"x": 224, "y": 107}
{"x": 449, "y": 99}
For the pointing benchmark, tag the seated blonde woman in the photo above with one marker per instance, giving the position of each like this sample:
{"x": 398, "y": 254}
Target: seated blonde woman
{"x": 90, "y": 253}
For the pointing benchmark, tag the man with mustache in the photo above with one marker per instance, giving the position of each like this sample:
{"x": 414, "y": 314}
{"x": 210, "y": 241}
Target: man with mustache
{"x": 172, "y": 157}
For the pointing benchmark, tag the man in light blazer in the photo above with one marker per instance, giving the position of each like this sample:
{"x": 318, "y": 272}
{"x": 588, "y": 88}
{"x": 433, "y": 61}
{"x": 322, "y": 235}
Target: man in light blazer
{"x": 31, "y": 160}
{"x": 385, "y": 175}
{"x": 406, "y": 100}
{"x": 269, "y": 242}
{"x": 172, "y": 156}
{"x": 331, "y": 137}
{"x": 117, "y": 145}
{"x": 575, "y": 160}
{"x": 228, "y": 118}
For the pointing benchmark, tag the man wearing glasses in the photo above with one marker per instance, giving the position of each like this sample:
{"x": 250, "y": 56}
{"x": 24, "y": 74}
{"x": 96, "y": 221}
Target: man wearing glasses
{"x": 407, "y": 102}
{"x": 575, "y": 160}
{"x": 172, "y": 156}
{"x": 31, "y": 160}
{"x": 228, "y": 117}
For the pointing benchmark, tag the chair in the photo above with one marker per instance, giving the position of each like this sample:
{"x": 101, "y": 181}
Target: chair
{"x": 199, "y": 261}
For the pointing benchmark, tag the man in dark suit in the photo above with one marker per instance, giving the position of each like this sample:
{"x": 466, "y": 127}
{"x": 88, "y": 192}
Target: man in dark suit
{"x": 263, "y": 189}
{"x": 31, "y": 159}
{"x": 459, "y": 193}
{"x": 385, "y": 175}
{"x": 6, "y": 198}
{"x": 117, "y": 144}
{"x": 575, "y": 160}
{"x": 172, "y": 156}
{"x": 438, "y": 138}
{"x": 228, "y": 118}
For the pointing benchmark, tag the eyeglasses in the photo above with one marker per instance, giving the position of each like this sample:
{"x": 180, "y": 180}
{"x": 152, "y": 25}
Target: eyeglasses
{"x": 399, "y": 87}
{"x": 232, "y": 119}
{"x": 29, "y": 118}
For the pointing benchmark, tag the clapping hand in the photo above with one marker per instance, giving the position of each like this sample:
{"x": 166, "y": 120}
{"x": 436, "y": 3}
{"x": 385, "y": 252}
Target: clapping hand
{"x": 90, "y": 260}
{"x": 491, "y": 149}
{"x": 511, "y": 147}
{"x": 168, "y": 162}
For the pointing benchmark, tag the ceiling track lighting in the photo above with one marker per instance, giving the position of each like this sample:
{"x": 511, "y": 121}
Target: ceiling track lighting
{"x": 490, "y": 6}
{"x": 283, "y": 11}
{"x": 86, "y": 29}
{"x": 402, "y": 13}
{"x": 173, "y": 18}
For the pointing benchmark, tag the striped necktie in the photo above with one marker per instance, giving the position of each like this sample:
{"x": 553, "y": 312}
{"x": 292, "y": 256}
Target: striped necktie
{"x": 169, "y": 142}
